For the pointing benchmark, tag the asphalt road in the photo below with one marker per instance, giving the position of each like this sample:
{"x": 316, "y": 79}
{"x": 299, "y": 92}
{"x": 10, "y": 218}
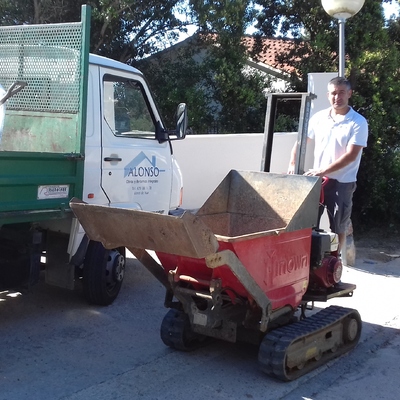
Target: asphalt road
{"x": 55, "y": 346}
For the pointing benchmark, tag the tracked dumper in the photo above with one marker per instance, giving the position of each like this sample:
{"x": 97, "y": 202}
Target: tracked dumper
{"x": 247, "y": 266}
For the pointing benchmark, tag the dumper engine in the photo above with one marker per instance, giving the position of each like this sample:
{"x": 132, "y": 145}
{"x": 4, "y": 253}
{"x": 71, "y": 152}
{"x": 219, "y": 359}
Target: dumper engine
{"x": 325, "y": 266}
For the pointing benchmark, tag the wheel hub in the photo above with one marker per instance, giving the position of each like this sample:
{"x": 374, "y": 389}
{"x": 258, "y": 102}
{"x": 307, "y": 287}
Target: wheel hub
{"x": 352, "y": 329}
{"x": 115, "y": 267}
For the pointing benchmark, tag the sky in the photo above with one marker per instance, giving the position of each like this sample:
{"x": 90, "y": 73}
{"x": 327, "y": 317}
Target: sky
{"x": 393, "y": 8}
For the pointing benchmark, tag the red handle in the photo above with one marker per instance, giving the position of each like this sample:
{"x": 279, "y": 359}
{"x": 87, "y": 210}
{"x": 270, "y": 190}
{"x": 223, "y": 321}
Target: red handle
{"x": 325, "y": 180}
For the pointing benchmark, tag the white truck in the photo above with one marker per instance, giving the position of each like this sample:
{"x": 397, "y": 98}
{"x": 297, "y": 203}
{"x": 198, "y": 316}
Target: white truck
{"x": 81, "y": 126}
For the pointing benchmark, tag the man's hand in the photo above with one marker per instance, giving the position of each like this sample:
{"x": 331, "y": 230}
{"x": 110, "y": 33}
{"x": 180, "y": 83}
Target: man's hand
{"x": 290, "y": 170}
{"x": 314, "y": 172}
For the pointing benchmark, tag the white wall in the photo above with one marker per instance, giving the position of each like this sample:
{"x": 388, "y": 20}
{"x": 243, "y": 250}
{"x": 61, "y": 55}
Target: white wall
{"x": 206, "y": 159}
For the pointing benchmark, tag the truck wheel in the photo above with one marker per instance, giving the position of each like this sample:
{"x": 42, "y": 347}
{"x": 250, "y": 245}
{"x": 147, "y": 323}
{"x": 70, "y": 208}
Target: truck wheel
{"x": 177, "y": 333}
{"x": 103, "y": 273}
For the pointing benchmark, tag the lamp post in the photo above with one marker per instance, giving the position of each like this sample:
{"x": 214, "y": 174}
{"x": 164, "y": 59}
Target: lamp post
{"x": 342, "y": 10}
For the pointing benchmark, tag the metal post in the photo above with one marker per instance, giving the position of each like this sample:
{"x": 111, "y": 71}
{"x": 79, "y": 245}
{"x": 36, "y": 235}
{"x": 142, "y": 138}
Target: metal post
{"x": 342, "y": 54}
{"x": 272, "y": 101}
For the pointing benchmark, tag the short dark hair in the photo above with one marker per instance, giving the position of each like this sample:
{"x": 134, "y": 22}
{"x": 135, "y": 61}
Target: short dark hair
{"x": 338, "y": 81}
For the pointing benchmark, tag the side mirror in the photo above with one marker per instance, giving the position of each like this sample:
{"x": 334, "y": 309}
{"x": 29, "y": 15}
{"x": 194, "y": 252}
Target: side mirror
{"x": 181, "y": 121}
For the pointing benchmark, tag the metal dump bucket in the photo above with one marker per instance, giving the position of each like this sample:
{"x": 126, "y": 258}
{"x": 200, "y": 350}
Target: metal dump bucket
{"x": 257, "y": 203}
{"x": 245, "y": 205}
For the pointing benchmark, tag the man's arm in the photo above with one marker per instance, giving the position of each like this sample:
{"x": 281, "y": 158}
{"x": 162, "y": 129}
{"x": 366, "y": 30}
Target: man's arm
{"x": 293, "y": 153}
{"x": 351, "y": 154}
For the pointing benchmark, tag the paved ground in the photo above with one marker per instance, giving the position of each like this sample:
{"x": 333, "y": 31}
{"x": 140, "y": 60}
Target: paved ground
{"x": 54, "y": 346}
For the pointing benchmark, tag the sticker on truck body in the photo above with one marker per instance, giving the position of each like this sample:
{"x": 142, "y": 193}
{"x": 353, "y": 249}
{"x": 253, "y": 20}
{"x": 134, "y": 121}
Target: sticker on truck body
{"x": 53, "y": 192}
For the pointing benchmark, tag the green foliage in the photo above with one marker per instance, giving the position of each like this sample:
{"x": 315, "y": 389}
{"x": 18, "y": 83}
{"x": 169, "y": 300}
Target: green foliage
{"x": 223, "y": 16}
{"x": 180, "y": 79}
{"x": 237, "y": 91}
{"x": 14, "y": 12}
{"x": 285, "y": 123}
{"x": 237, "y": 94}
{"x": 378, "y": 194}
{"x": 129, "y": 30}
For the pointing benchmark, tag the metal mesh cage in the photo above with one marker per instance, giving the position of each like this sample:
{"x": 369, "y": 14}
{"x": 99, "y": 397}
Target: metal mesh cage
{"x": 47, "y": 58}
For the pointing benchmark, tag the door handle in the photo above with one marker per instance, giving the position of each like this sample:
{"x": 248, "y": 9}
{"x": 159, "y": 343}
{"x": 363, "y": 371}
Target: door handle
{"x": 112, "y": 159}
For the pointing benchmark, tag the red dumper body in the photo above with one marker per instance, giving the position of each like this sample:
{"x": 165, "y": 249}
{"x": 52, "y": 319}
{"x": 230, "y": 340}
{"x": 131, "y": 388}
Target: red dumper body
{"x": 279, "y": 264}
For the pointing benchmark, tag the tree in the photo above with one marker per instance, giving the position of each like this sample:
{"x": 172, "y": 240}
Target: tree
{"x": 180, "y": 79}
{"x": 39, "y": 11}
{"x": 130, "y": 30}
{"x": 378, "y": 77}
{"x": 237, "y": 91}
{"x": 120, "y": 29}
{"x": 373, "y": 59}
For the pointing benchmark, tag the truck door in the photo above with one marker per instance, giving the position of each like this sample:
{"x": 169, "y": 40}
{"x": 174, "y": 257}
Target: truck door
{"x": 136, "y": 168}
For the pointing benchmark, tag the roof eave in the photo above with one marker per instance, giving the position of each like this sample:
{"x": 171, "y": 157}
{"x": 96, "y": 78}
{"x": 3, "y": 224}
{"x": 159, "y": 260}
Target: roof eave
{"x": 268, "y": 69}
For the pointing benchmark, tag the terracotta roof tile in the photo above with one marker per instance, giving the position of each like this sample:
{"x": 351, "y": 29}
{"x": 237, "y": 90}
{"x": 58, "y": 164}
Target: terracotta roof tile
{"x": 271, "y": 48}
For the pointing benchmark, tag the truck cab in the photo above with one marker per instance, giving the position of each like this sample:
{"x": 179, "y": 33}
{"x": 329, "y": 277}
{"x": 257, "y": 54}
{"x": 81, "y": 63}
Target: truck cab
{"x": 129, "y": 161}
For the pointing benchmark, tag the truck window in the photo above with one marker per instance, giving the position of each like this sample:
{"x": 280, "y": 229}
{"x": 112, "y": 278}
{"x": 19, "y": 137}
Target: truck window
{"x": 126, "y": 109}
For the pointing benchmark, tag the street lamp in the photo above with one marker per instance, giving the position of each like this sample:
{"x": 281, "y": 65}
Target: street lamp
{"x": 342, "y": 9}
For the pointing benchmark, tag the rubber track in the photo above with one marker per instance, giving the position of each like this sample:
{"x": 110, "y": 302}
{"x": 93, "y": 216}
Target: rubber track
{"x": 276, "y": 344}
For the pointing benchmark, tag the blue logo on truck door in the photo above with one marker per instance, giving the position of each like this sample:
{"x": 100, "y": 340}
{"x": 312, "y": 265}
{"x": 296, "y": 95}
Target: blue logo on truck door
{"x": 143, "y": 175}
{"x": 135, "y": 170}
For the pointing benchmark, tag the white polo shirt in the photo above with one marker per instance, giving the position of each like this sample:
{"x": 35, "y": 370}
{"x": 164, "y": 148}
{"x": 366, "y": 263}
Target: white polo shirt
{"x": 332, "y": 136}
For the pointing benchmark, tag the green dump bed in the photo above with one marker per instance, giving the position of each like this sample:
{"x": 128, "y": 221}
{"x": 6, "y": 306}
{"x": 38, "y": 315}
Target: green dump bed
{"x": 42, "y": 141}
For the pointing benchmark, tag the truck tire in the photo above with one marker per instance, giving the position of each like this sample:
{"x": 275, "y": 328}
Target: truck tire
{"x": 103, "y": 273}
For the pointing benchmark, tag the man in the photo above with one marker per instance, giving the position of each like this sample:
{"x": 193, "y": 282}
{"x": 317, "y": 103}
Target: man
{"x": 340, "y": 134}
